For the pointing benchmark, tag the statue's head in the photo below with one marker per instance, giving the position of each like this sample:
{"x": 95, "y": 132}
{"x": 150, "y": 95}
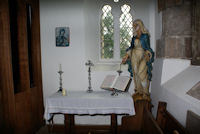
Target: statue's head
{"x": 139, "y": 25}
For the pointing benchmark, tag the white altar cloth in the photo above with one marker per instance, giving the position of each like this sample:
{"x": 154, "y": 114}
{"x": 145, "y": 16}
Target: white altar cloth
{"x": 81, "y": 102}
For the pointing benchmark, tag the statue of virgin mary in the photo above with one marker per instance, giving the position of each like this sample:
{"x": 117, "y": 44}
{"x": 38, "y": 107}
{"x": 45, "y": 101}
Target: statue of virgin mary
{"x": 141, "y": 56}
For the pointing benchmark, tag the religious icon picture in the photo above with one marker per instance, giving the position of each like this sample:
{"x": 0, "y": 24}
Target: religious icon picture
{"x": 62, "y": 36}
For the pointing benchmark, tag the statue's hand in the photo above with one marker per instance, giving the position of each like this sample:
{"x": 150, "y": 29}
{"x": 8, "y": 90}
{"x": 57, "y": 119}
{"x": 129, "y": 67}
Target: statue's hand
{"x": 124, "y": 59}
{"x": 147, "y": 55}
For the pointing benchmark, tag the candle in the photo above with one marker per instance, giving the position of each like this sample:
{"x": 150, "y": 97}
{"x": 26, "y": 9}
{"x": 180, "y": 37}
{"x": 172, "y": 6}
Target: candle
{"x": 63, "y": 92}
{"x": 60, "y": 67}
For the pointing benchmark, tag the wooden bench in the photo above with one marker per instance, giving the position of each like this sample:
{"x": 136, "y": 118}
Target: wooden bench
{"x": 167, "y": 122}
{"x": 149, "y": 124}
{"x": 141, "y": 123}
{"x": 144, "y": 123}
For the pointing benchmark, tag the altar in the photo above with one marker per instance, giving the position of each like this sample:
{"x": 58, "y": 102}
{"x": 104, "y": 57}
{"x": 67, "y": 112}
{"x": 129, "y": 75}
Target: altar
{"x": 83, "y": 103}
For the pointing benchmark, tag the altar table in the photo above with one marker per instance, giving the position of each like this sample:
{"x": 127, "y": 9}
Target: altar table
{"x": 83, "y": 103}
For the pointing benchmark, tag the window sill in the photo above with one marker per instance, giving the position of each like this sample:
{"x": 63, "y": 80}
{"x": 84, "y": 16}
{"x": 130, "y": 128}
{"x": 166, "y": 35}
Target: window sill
{"x": 110, "y": 66}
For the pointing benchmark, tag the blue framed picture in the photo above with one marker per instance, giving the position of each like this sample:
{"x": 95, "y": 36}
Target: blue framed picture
{"x": 62, "y": 36}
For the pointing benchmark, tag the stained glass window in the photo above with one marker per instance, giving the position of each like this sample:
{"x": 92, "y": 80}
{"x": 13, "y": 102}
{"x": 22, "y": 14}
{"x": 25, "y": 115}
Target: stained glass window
{"x": 126, "y": 29}
{"x": 107, "y": 33}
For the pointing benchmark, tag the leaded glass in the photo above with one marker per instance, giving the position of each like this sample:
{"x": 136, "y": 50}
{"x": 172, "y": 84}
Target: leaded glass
{"x": 107, "y": 32}
{"x": 126, "y": 29}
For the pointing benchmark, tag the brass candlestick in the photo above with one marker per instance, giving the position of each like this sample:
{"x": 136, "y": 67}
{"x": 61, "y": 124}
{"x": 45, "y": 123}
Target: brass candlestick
{"x": 120, "y": 71}
{"x": 60, "y": 72}
{"x": 89, "y": 64}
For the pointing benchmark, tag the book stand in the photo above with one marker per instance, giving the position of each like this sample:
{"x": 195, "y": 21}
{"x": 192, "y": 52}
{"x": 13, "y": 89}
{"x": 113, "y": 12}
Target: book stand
{"x": 114, "y": 92}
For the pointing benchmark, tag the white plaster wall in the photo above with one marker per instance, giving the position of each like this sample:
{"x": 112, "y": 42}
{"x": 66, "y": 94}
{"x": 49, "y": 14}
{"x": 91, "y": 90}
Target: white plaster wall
{"x": 169, "y": 82}
{"x": 172, "y": 67}
{"x": 163, "y": 71}
{"x": 178, "y": 86}
{"x": 82, "y": 17}
{"x": 172, "y": 78}
{"x": 174, "y": 90}
{"x": 56, "y": 14}
{"x": 152, "y": 23}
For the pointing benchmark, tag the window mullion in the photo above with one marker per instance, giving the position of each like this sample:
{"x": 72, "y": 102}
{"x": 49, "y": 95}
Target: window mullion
{"x": 116, "y": 15}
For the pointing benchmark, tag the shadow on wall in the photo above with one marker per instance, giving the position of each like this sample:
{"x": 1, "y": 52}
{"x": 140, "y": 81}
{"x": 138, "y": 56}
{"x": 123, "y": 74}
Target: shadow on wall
{"x": 156, "y": 83}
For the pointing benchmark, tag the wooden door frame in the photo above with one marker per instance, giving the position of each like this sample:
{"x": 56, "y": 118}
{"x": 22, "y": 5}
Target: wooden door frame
{"x": 6, "y": 84}
{"x": 8, "y": 97}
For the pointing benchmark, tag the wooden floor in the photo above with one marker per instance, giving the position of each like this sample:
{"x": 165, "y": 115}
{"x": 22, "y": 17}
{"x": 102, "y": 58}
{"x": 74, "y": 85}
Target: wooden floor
{"x": 44, "y": 130}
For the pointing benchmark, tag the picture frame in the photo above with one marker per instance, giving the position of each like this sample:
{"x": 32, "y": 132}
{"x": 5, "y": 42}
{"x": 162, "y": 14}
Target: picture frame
{"x": 62, "y": 36}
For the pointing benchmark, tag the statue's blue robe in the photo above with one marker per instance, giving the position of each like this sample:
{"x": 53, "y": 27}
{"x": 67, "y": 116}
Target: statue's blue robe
{"x": 145, "y": 42}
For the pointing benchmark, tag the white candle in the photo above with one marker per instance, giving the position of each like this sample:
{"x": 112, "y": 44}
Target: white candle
{"x": 60, "y": 67}
{"x": 63, "y": 92}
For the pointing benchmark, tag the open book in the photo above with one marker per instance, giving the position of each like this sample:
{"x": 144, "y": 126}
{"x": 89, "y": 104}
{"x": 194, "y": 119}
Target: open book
{"x": 116, "y": 82}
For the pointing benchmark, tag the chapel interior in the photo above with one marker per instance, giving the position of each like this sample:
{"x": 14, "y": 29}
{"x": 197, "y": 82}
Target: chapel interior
{"x": 30, "y": 60}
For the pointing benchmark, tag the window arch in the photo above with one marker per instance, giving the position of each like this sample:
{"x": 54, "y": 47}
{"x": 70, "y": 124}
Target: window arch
{"x": 126, "y": 29}
{"x": 107, "y": 33}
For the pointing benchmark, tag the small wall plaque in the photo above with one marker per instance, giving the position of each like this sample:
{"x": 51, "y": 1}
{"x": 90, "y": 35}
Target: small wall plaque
{"x": 62, "y": 36}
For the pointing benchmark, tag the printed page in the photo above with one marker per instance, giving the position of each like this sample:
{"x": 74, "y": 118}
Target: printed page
{"x": 121, "y": 83}
{"x": 108, "y": 82}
